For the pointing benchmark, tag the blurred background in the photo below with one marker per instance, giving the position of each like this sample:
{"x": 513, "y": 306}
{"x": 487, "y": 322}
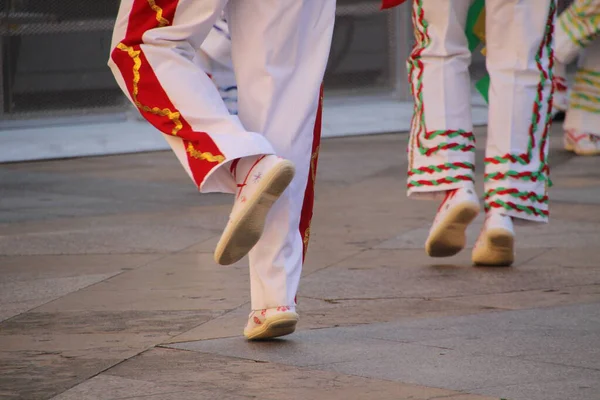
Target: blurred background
{"x": 59, "y": 99}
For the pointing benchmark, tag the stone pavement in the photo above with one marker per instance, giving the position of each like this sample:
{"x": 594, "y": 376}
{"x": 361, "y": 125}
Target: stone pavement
{"x": 108, "y": 289}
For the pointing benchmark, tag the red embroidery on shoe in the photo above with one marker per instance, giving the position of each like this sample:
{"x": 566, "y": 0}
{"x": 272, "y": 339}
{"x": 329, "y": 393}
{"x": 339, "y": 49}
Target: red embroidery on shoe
{"x": 241, "y": 185}
{"x": 257, "y": 321}
{"x": 449, "y": 195}
{"x": 263, "y": 312}
{"x": 574, "y": 137}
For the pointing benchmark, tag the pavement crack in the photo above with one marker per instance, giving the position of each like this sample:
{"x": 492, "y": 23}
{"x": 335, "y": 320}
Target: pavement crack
{"x": 340, "y": 299}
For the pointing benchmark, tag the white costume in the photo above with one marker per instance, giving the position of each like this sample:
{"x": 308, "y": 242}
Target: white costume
{"x": 441, "y": 150}
{"x": 215, "y": 59}
{"x": 279, "y": 50}
{"x": 578, "y": 33}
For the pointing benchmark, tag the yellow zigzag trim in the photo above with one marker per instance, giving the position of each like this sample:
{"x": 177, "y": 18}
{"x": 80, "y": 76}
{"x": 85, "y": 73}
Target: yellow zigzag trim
{"x": 586, "y": 108}
{"x": 586, "y": 82}
{"x": 306, "y": 238}
{"x": 165, "y": 112}
{"x": 159, "y": 14}
{"x": 203, "y": 155}
{"x": 174, "y": 116}
{"x": 313, "y": 164}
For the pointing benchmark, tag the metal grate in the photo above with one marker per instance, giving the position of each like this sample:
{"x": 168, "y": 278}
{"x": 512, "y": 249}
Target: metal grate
{"x": 54, "y": 54}
{"x": 360, "y": 54}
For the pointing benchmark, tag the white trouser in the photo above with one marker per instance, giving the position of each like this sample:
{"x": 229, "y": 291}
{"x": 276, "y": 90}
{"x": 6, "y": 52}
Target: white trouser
{"x": 279, "y": 50}
{"x": 578, "y": 28}
{"x": 441, "y": 148}
{"x": 215, "y": 59}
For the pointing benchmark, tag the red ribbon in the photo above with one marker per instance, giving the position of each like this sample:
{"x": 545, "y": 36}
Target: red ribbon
{"x": 390, "y": 3}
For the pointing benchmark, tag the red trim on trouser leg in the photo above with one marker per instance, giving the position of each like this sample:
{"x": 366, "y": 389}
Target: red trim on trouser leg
{"x": 309, "y": 193}
{"x": 385, "y": 4}
{"x": 147, "y": 92}
{"x": 233, "y": 167}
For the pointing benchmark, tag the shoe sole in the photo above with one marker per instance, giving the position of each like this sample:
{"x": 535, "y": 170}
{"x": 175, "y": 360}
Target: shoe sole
{"x": 276, "y": 326}
{"x": 449, "y": 238}
{"x": 240, "y": 235}
{"x": 586, "y": 153}
{"x": 570, "y": 147}
{"x": 498, "y": 251}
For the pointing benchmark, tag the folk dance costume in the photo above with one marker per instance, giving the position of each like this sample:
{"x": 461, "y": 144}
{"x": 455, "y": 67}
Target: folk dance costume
{"x": 578, "y": 33}
{"x": 267, "y": 157}
{"x": 442, "y": 146}
{"x": 214, "y": 57}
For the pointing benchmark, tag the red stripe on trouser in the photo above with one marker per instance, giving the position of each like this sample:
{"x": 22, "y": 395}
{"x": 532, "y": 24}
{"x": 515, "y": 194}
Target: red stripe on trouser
{"x": 148, "y": 94}
{"x": 309, "y": 193}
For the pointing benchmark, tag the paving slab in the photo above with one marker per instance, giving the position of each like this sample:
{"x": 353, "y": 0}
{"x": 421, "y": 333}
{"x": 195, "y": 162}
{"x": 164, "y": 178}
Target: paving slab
{"x": 105, "y": 260}
{"x": 520, "y": 349}
{"x": 29, "y": 282}
{"x": 559, "y": 233}
{"x": 318, "y": 313}
{"x": 217, "y": 377}
{"x": 114, "y": 240}
{"x": 115, "y": 387}
{"x": 518, "y": 300}
{"x": 382, "y": 273}
{"x": 573, "y": 388}
{"x": 184, "y": 281}
{"x": 18, "y": 297}
{"x": 43, "y": 354}
{"x": 36, "y": 375}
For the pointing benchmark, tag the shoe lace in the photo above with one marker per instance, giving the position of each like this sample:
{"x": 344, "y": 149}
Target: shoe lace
{"x": 244, "y": 183}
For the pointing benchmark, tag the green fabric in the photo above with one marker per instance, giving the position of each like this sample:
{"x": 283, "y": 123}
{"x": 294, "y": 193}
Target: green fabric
{"x": 483, "y": 87}
{"x": 477, "y": 7}
{"x": 472, "y": 17}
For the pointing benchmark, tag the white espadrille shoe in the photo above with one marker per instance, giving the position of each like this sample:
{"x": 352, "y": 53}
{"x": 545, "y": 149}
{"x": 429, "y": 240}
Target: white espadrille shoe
{"x": 496, "y": 243}
{"x": 270, "y": 323}
{"x": 448, "y": 233}
{"x": 261, "y": 180}
{"x": 582, "y": 144}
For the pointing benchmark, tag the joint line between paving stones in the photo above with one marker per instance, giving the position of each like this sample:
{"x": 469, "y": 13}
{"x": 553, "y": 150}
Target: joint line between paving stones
{"x": 154, "y": 395}
{"x": 330, "y": 300}
{"x": 338, "y": 261}
{"x": 86, "y": 287}
{"x": 449, "y": 396}
{"x": 224, "y": 313}
{"x": 525, "y": 357}
{"x": 513, "y": 291}
{"x": 196, "y": 244}
{"x": 537, "y": 382}
{"x": 543, "y": 251}
{"x": 458, "y": 392}
{"x": 106, "y": 369}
